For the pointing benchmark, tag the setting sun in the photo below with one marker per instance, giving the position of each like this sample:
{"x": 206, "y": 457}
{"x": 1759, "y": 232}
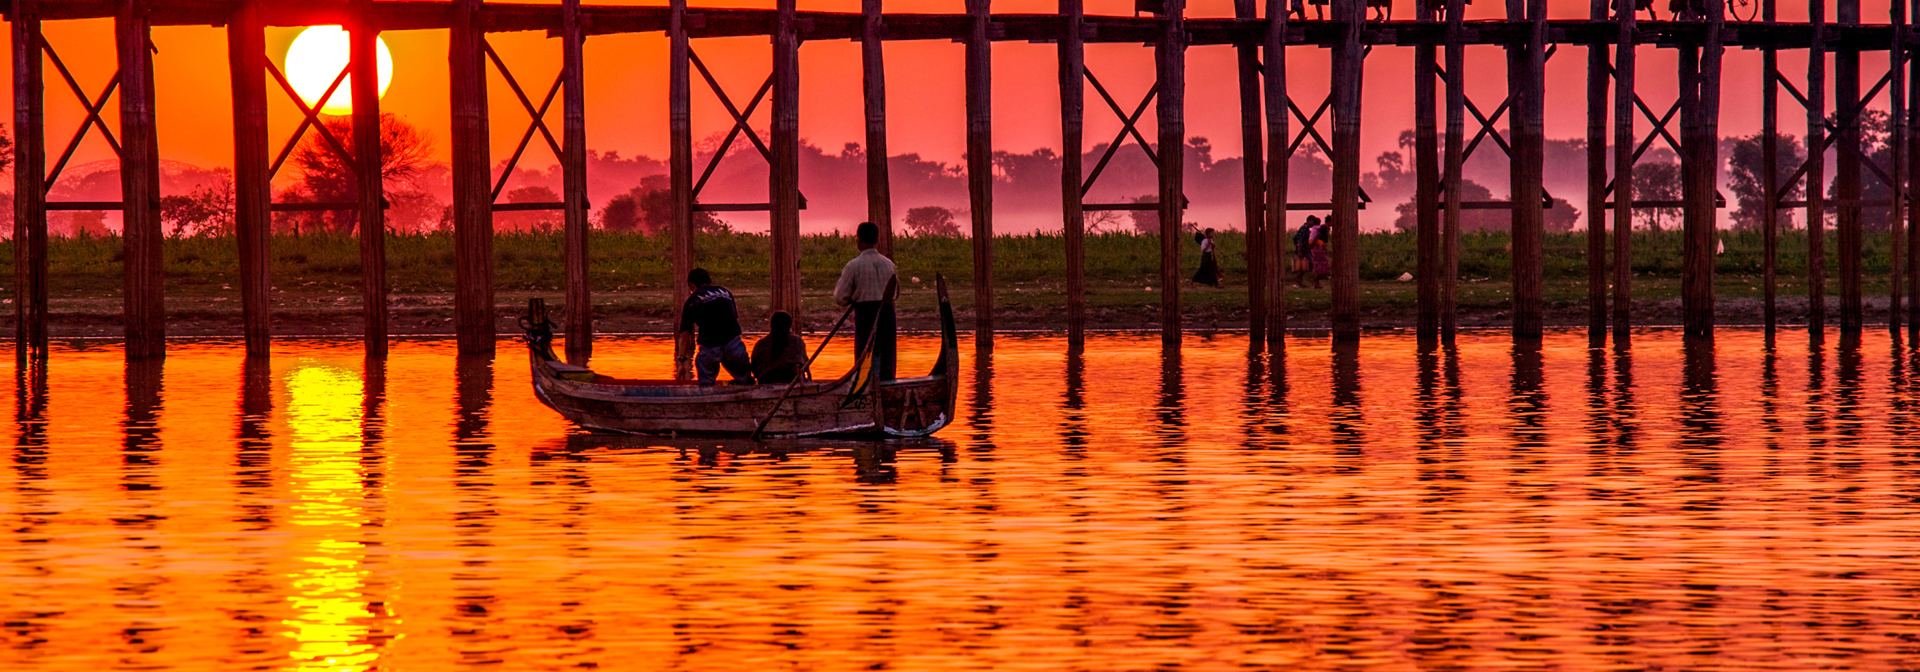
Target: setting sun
{"x": 317, "y": 56}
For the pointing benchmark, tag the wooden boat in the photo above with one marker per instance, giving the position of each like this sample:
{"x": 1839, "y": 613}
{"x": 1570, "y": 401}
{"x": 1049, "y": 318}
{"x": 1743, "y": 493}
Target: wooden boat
{"x": 852, "y": 405}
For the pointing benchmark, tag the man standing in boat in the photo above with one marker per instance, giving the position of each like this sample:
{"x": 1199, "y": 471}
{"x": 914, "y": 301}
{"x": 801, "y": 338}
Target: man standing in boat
{"x": 864, "y": 282}
{"x": 711, "y": 308}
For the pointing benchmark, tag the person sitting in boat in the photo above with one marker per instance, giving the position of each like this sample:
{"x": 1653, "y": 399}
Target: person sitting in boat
{"x": 864, "y": 283}
{"x": 780, "y": 356}
{"x": 711, "y": 308}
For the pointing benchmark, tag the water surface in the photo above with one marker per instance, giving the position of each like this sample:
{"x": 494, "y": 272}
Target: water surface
{"x": 1739, "y": 506}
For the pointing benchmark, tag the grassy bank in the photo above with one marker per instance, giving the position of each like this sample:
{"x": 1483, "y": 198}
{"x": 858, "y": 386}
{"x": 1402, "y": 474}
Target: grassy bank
{"x": 630, "y": 273}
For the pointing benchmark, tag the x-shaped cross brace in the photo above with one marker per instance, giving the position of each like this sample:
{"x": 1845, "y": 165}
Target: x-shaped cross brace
{"x": 1488, "y": 124}
{"x": 93, "y": 105}
{"x": 1833, "y": 131}
{"x": 1129, "y": 126}
{"x": 311, "y": 120}
{"x": 538, "y": 116}
{"x": 1311, "y": 127}
{"x": 739, "y": 121}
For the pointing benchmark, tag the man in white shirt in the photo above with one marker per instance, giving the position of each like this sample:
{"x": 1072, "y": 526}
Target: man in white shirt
{"x": 863, "y": 284}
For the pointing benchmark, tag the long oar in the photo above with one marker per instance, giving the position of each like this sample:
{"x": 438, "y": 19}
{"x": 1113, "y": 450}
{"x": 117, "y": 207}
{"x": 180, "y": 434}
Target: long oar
{"x": 802, "y": 374}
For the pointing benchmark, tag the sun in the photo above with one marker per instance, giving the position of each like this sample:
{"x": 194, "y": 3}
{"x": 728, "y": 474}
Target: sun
{"x": 317, "y": 56}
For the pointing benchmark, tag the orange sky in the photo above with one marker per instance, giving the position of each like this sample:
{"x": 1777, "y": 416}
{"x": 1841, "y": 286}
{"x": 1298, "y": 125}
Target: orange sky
{"x": 626, "y": 86}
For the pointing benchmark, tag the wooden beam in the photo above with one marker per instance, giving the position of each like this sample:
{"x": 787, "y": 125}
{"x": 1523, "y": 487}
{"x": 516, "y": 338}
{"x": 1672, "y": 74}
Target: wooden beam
{"x": 979, "y": 88}
{"x": 473, "y": 309}
{"x": 145, "y": 271}
{"x": 1816, "y": 175}
{"x": 573, "y": 170}
{"x": 1897, "y": 142}
{"x": 1598, "y": 72}
{"x": 680, "y": 177}
{"x": 1526, "y": 77}
{"x": 1171, "y": 59}
{"x": 1912, "y": 123}
{"x": 1846, "y": 179}
{"x": 1770, "y": 169}
{"x": 1252, "y": 173}
{"x": 252, "y": 188}
{"x": 1449, "y": 270}
{"x": 361, "y": 37}
{"x": 29, "y": 189}
{"x": 873, "y": 64}
{"x": 784, "y": 173}
{"x": 1426, "y": 191}
{"x": 1624, "y": 141}
{"x": 1273, "y": 72}
{"x": 1348, "y": 67}
{"x": 1704, "y": 238}
{"x": 1073, "y": 90}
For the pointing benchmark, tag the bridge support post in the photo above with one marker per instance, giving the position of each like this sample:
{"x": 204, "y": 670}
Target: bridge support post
{"x": 1348, "y": 67}
{"x": 873, "y": 64}
{"x": 29, "y": 188}
{"x": 574, "y": 181}
{"x": 1816, "y": 175}
{"x": 145, "y": 298}
{"x": 980, "y": 168}
{"x": 1273, "y": 74}
{"x": 1259, "y": 264}
{"x": 1073, "y": 90}
{"x": 473, "y": 310}
{"x": 1426, "y": 199}
{"x": 1171, "y": 57}
{"x": 366, "y": 145}
{"x": 1526, "y": 84}
{"x": 680, "y": 176}
{"x": 1449, "y": 271}
{"x": 1702, "y": 96}
{"x": 1597, "y": 66}
{"x": 252, "y": 190}
{"x": 785, "y": 168}
{"x": 1846, "y": 182}
{"x": 1770, "y": 166}
{"x": 1624, "y": 95}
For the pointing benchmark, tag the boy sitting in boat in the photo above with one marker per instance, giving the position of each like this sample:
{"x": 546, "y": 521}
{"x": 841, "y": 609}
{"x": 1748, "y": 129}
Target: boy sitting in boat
{"x": 711, "y": 308}
{"x": 780, "y": 356}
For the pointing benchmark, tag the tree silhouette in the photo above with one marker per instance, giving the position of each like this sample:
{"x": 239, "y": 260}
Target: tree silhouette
{"x": 328, "y": 177}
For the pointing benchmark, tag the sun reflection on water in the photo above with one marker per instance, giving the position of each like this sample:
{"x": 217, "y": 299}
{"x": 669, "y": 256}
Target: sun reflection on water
{"x": 329, "y": 593}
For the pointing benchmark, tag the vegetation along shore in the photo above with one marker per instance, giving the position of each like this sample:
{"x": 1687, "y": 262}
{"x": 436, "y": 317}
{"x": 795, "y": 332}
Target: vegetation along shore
{"x": 316, "y": 280}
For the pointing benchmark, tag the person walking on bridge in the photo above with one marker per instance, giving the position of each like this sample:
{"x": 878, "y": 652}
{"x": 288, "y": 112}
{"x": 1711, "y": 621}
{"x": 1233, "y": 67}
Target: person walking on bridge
{"x": 864, "y": 282}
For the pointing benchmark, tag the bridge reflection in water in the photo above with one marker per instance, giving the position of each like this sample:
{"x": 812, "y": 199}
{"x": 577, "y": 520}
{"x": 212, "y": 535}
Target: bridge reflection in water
{"x": 1744, "y": 505}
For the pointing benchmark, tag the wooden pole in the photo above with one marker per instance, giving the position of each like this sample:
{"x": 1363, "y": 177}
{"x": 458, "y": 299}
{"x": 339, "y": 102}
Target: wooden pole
{"x": 1816, "y": 174}
{"x": 1770, "y": 167}
{"x": 144, "y": 300}
{"x": 874, "y": 66}
{"x": 1597, "y": 76}
{"x": 1846, "y": 179}
{"x": 785, "y": 171}
{"x": 473, "y": 312}
{"x": 1623, "y": 192}
{"x": 252, "y": 191}
{"x": 1171, "y": 57}
{"x": 1703, "y": 223}
{"x": 1073, "y": 91}
{"x": 980, "y": 168}
{"x": 1348, "y": 67}
{"x": 573, "y": 170}
{"x": 1252, "y": 173}
{"x": 680, "y": 175}
{"x": 1455, "y": 156}
{"x": 1426, "y": 194}
{"x": 29, "y": 188}
{"x": 366, "y": 145}
{"x": 1526, "y": 76}
{"x": 1273, "y": 72}
{"x": 1912, "y": 122}
{"x": 1897, "y": 142}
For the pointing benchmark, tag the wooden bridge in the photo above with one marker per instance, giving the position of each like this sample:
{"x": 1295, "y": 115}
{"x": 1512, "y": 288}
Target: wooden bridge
{"x": 1263, "y": 37}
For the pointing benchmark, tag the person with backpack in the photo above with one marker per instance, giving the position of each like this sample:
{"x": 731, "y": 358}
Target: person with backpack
{"x": 1303, "y": 251}
{"x": 1322, "y": 255}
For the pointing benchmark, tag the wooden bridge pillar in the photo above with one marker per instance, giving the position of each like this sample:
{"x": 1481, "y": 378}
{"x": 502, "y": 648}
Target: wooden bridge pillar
{"x": 1897, "y": 143}
{"x": 680, "y": 175}
{"x": 1624, "y": 54}
{"x": 1912, "y": 164}
{"x": 1456, "y": 96}
{"x": 1273, "y": 74}
{"x": 29, "y": 188}
{"x": 473, "y": 309}
{"x": 252, "y": 188}
{"x": 1770, "y": 168}
{"x": 1426, "y": 193}
{"x": 145, "y": 271}
{"x": 1846, "y": 179}
{"x": 1252, "y": 172}
{"x": 980, "y": 167}
{"x": 1700, "y": 139}
{"x": 1526, "y": 84}
{"x": 1816, "y": 174}
{"x": 366, "y": 146}
{"x": 573, "y": 169}
{"x": 1171, "y": 57}
{"x": 785, "y": 169}
{"x": 1073, "y": 90}
{"x": 1348, "y": 67}
{"x": 1598, "y": 67}
{"x": 873, "y": 62}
